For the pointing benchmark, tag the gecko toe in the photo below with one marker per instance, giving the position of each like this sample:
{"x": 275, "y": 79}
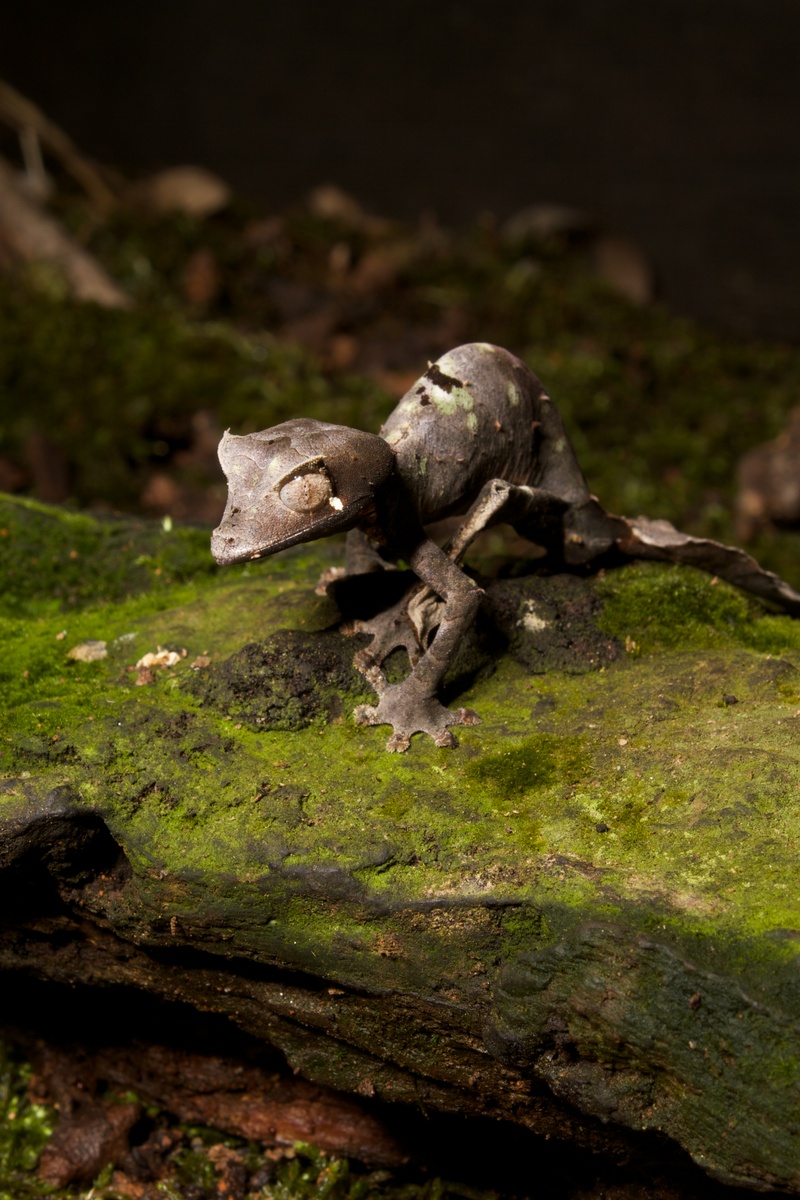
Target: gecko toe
{"x": 365, "y": 714}
{"x": 446, "y": 739}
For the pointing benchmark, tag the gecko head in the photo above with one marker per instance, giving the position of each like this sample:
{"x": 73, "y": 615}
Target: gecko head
{"x": 296, "y": 482}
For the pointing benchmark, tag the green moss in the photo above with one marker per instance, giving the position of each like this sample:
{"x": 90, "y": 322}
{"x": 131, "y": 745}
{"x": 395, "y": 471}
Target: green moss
{"x": 680, "y": 607}
{"x": 52, "y": 559}
{"x": 536, "y": 762}
{"x": 544, "y": 764}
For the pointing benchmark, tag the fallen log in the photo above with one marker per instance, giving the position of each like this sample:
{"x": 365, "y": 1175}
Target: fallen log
{"x": 582, "y": 920}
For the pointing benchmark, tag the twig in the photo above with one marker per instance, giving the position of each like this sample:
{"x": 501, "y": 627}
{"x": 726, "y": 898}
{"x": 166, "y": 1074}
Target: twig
{"x": 28, "y": 234}
{"x": 23, "y": 115}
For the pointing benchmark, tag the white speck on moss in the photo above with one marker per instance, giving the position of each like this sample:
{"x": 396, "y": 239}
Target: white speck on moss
{"x": 530, "y": 619}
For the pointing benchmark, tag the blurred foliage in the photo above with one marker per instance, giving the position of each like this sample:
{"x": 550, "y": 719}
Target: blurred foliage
{"x": 114, "y": 391}
{"x": 659, "y": 408}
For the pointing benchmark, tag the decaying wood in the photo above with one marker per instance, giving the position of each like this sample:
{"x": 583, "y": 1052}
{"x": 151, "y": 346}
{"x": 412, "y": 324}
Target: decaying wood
{"x": 30, "y": 235}
{"x": 239, "y": 1098}
{"x": 85, "y": 1141}
{"x": 441, "y": 957}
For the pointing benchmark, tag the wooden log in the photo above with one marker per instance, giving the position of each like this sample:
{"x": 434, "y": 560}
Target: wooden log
{"x": 582, "y": 920}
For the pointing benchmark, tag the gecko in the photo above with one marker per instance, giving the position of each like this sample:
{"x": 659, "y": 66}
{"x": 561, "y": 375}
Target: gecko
{"x": 476, "y": 437}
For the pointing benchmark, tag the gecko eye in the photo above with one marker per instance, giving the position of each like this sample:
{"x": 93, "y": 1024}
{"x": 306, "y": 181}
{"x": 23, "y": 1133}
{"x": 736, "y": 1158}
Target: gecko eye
{"x": 306, "y": 493}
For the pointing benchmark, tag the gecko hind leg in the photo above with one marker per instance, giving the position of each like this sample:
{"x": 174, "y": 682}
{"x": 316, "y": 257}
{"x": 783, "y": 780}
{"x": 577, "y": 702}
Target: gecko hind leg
{"x": 361, "y": 558}
{"x": 412, "y": 706}
{"x": 412, "y": 622}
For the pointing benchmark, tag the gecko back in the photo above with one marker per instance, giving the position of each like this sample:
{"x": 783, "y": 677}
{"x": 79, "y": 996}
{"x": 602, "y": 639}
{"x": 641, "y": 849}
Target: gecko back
{"x": 476, "y": 414}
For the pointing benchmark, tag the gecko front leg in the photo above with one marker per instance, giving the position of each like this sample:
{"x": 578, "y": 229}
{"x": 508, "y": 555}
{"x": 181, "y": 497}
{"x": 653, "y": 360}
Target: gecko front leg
{"x": 412, "y": 706}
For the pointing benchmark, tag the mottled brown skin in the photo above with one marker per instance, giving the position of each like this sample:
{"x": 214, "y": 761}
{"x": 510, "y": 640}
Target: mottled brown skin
{"x": 477, "y": 435}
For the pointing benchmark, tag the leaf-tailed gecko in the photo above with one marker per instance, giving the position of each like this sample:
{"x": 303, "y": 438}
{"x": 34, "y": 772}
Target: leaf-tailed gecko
{"x": 476, "y": 436}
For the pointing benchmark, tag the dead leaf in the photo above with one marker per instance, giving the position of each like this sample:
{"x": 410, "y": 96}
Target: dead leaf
{"x": 90, "y": 651}
{"x": 161, "y": 658}
{"x": 190, "y": 190}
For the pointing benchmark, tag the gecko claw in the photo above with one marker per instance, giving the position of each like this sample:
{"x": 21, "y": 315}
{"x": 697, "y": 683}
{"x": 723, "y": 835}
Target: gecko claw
{"x": 389, "y": 631}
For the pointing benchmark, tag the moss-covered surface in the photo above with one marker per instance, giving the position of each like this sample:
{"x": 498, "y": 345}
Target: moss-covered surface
{"x": 596, "y": 887}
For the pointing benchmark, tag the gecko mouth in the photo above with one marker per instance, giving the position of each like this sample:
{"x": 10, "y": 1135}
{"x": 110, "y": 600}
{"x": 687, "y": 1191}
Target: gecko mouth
{"x": 228, "y": 550}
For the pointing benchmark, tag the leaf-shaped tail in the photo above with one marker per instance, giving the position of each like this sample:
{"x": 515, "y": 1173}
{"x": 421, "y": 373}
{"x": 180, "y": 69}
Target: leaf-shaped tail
{"x": 640, "y": 537}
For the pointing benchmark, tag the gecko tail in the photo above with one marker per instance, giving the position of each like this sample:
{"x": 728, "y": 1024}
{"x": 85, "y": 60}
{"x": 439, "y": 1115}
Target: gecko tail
{"x": 641, "y": 537}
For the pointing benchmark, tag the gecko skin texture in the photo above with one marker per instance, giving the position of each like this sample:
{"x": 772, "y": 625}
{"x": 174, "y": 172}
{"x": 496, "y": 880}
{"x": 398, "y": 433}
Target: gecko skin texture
{"x": 477, "y": 437}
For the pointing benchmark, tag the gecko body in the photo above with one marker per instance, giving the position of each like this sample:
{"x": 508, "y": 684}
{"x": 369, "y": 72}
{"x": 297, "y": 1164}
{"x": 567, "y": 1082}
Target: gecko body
{"x": 477, "y": 436}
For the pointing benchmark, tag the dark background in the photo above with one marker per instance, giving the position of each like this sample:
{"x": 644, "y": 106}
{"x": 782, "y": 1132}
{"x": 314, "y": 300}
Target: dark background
{"x": 674, "y": 121}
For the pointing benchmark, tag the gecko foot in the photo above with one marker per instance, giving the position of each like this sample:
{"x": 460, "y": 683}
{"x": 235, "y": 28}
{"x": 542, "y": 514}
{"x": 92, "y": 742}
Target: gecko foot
{"x": 408, "y": 713}
{"x": 388, "y": 630}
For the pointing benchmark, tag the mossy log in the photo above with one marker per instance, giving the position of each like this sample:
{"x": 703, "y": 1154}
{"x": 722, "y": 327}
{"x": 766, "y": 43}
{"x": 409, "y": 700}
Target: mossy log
{"x": 583, "y": 919}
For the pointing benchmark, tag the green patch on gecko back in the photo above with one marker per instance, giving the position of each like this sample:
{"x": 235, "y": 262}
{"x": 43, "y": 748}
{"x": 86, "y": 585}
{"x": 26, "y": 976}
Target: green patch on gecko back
{"x": 450, "y": 402}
